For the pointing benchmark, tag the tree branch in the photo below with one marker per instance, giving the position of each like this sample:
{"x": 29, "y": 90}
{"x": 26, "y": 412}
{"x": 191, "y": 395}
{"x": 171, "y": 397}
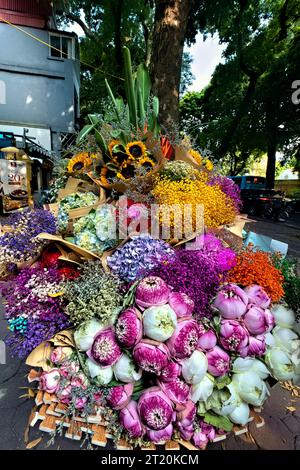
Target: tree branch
{"x": 81, "y": 23}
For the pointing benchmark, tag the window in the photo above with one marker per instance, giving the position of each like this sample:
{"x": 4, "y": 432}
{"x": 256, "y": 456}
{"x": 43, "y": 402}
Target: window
{"x": 62, "y": 47}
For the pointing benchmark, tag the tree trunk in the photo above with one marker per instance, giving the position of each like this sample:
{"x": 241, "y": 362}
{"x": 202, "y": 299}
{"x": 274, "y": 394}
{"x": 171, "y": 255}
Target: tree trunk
{"x": 272, "y": 145}
{"x": 170, "y": 25}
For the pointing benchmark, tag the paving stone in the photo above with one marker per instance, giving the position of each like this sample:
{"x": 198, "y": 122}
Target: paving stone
{"x": 293, "y": 424}
{"x": 297, "y": 443}
{"x": 242, "y": 442}
{"x": 274, "y": 435}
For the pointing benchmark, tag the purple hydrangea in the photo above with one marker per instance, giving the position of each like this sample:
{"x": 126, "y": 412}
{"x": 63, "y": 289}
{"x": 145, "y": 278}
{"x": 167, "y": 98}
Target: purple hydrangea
{"x": 137, "y": 257}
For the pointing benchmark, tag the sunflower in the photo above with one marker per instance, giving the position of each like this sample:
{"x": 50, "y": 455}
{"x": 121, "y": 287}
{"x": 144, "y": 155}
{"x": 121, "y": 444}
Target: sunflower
{"x": 117, "y": 152}
{"x": 105, "y": 174}
{"x": 209, "y": 165}
{"x": 127, "y": 171}
{"x": 79, "y": 163}
{"x": 147, "y": 163}
{"x": 196, "y": 156}
{"x": 136, "y": 149}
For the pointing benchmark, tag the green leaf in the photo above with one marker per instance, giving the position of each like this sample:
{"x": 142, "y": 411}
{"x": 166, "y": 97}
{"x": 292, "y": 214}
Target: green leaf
{"x": 100, "y": 140}
{"x": 222, "y": 382}
{"x": 113, "y": 99}
{"x": 115, "y": 133}
{"x": 85, "y": 131}
{"x": 93, "y": 118}
{"x": 221, "y": 422}
{"x": 129, "y": 86}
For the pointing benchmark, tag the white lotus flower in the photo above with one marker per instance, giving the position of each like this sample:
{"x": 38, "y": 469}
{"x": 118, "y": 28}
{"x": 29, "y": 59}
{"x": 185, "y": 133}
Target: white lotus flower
{"x": 270, "y": 341}
{"x": 281, "y": 364}
{"x": 202, "y": 390}
{"x": 286, "y": 339}
{"x": 159, "y": 322}
{"x": 104, "y": 375}
{"x": 246, "y": 364}
{"x": 125, "y": 371}
{"x": 250, "y": 387}
{"x": 240, "y": 415}
{"x": 229, "y": 405}
{"x": 84, "y": 335}
{"x": 284, "y": 316}
{"x": 194, "y": 368}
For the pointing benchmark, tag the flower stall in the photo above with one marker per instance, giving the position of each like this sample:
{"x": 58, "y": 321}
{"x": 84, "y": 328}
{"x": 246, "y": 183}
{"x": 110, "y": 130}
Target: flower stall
{"x": 143, "y": 339}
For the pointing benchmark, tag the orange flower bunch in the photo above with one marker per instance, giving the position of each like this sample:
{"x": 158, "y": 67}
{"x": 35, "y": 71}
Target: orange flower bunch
{"x": 256, "y": 267}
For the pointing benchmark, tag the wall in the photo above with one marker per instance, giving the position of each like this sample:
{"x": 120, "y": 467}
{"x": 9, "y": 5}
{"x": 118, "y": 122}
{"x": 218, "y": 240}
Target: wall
{"x": 36, "y": 90}
{"x": 288, "y": 186}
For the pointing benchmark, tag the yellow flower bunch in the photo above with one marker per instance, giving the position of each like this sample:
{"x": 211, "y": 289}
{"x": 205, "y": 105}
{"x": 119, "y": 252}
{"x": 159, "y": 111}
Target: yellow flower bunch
{"x": 217, "y": 209}
{"x": 205, "y": 163}
{"x": 80, "y": 162}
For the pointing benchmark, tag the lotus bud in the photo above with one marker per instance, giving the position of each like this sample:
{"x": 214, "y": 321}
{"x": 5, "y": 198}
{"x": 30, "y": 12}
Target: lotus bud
{"x": 280, "y": 364}
{"x": 240, "y": 415}
{"x": 185, "y": 420}
{"x": 49, "y": 381}
{"x": 224, "y": 401}
{"x": 105, "y": 350}
{"x": 65, "y": 395}
{"x": 218, "y": 361}
{"x": 60, "y": 353}
{"x": 177, "y": 391}
{"x": 129, "y": 328}
{"x": 151, "y": 356}
{"x": 257, "y": 346}
{"x": 85, "y": 334}
{"x": 233, "y": 336}
{"x": 119, "y": 396}
{"x": 258, "y": 296}
{"x": 257, "y": 320}
{"x": 130, "y": 420}
{"x": 155, "y": 409}
{"x": 250, "y": 387}
{"x": 284, "y": 317}
{"x": 181, "y": 303}
{"x": 184, "y": 340}
{"x": 231, "y": 301}
{"x": 104, "y": 375}
{"x": 159, "y": 322}
{"x": 195, "y": 367}
{"x": 170, "y": 372}
{"x": 202, "y": 390}
{"x": 160, "y": 437}
{"x": 207, "y": 339}
{"x": 152, "y": 290}
{"x": 241, "y": 365}
{"x": 125, "y": 371}
{"x": 286, "y": 339}
{"x": 80, "y": 403}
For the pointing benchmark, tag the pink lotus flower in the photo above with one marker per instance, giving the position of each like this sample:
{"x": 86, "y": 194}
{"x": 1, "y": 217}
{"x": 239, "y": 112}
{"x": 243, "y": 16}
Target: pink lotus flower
{"x": 184, "y": 340}
{"x": 130, "y": 420}
{"x": 205, "y": 434}
{"x": 258, "y": 321}
{"x": 79, "y": 381}
{"x": 185, "y": 420}
{"x": 233, "y": 336}
{"x": 151, "y": 356}
{"x": 258, "y": 296}
{"x": 155, "y": 409}
{"x": 80, "y": 403}
{"x": 181, "y": 303}
{"x": 69, "y": 369}
{"x": 256, "y": 347}
{"x": 65, "y": 394}
{"x": 119, "y": 396}
{"x": 178, "y": 391}
{"x": 231, "y": 301}
{"x": 105, "y": 349}
{"x": 170, "y": 372}
{"x": 160, "y": 437}
{"x": 49, "y": 381}
{"x": 207, "y": 338}
{"x": 218, "y": 361}
{"x": 60, "y": 353}
{"x": 129, "y": 328}
{"x": 151, "y": 291}
{"x": 98, "y": 398}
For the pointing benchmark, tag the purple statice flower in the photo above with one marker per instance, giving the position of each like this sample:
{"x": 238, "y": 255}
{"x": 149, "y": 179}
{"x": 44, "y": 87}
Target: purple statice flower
{"x": 229, "y": 188}
{"x": 192, "y": 272}
{"x": 28, "y": 303}
{"x": 20, "y": 245}
{"x": 223, "y": 258}
{"x": 137, "y": 257}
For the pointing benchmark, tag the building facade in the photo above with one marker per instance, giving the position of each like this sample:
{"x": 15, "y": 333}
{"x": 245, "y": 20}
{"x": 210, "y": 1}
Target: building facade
{"x": 39, "y": 85}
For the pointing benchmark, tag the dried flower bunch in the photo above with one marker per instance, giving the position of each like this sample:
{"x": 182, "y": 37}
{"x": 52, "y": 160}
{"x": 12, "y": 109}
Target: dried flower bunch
{"x": 94, "y": 293}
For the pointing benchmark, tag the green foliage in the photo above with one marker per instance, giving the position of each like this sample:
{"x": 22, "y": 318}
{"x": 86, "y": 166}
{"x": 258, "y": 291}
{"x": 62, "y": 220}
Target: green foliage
{"x": 291, "y": 283}
{"x": 220, "y": 422}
